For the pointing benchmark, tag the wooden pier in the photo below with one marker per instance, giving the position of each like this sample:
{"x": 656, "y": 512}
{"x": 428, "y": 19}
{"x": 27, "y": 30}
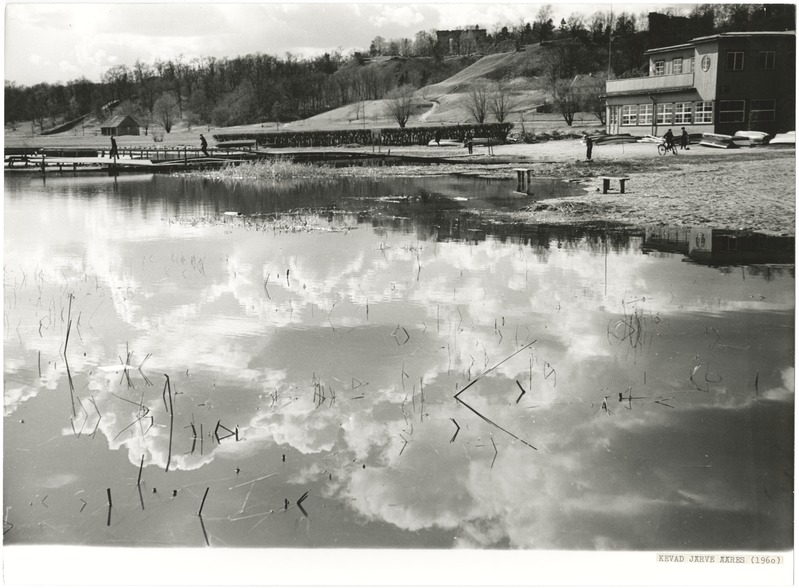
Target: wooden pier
{"x": 173, "y": 159}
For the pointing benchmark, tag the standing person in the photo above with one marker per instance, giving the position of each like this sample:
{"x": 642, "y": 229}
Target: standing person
{"x": 589, "y": 146}
{"x": 684, "y": 139}
{"x": 438, "y": 137}
{"x": 203, "y": 145}
{"x": 114, "y": 152}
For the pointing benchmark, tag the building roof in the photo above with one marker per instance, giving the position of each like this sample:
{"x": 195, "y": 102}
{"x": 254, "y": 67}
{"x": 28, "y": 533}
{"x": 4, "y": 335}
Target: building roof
{"x": 733, "y": 35}
{"x": 117, "y": 121}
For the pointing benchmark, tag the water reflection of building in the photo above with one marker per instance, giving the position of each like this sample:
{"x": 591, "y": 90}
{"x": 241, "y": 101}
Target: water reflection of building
{"x": 720, "y": 246}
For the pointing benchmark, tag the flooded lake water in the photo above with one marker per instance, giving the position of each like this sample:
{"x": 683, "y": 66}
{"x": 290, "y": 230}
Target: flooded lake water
{"x": 378, "y": 363}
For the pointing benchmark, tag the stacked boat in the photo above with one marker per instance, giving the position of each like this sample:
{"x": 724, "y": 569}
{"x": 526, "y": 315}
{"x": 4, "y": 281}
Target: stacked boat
{"x": 788, "y": 138}
{"x": 724, "y": 141}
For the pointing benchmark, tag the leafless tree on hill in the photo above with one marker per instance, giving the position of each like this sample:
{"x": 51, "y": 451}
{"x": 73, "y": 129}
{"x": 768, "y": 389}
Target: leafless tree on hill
{"x": 501, "y": 102}
{"x": 477, "y": 103}
{"x": 398, "y": 104}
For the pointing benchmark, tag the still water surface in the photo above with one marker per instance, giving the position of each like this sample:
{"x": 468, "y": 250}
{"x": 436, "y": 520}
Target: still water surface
{"x": 622, "y": 394}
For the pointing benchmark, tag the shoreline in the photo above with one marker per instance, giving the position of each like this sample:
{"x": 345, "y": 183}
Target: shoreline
{"x": 751, "y": 189}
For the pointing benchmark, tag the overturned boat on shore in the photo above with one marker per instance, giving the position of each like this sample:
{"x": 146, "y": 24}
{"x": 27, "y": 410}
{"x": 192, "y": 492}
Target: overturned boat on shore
{"x": 724, "y": 141}
{"x": 755, "y": 137}
{"x": 788, "y": 138}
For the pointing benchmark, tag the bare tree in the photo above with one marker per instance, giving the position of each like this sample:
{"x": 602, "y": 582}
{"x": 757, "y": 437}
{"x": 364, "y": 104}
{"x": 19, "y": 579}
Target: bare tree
{"x": 501, "y": 101}
{"x": 566, "y": 99}
{"x": 591, "y": 92}
{"x": 398, "y": 104}
{"x": 166, "y": 110}
{"x": 477, "y": 103}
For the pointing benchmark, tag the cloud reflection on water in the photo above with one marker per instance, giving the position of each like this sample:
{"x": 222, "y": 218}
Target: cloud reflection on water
{"x": 389, "y": 322}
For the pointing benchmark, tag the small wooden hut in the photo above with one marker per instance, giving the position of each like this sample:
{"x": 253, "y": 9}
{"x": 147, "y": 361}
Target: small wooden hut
{"x": 120, "y": 125}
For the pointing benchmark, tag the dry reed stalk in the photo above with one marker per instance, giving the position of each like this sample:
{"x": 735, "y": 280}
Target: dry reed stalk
{"x": 168, "y": 388}
{"x": 202, "y": 504}
{"x": 523, "y": 391}
{"x": 481, "y": 376}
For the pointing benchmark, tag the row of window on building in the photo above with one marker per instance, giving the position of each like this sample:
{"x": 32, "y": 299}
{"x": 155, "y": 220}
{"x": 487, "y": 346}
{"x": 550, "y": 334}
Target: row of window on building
{"x": 734, "y": 61}
{"x": 686, "y": 113}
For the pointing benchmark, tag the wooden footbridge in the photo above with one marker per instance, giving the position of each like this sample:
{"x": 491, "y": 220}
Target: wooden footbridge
{"x": 174, "y": 159}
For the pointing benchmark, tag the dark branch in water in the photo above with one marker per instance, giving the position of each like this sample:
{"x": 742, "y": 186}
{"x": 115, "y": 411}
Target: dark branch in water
{"x": 168, "y": 388}
{"x": 202, "y": 504}
{"x": 456, "y": 430}
{"x": 299, "y": 504}
{"x": 523, "y": 391}
{"x": 480, "y": 377}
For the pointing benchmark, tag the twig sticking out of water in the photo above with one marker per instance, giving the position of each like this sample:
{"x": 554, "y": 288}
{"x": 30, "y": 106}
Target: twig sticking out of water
{"x": 266, "y": 289}
{"x": 523, "y": 391}
{"x": 205, "y": 534}
{"x": 496, "y": 453}
{"x": 757, "y": 377}
{"x": 404, "y": 445}
{"x": 480, "y": 377}
{"x": 456, "y": 430}
{"x": 550, "y": 373}
{"x": 69, "y": 325}
{"x": 202, "y": 504}
{"x": 299, "y": 504}
{"x": 168, "y": 388}
{"x": 405, "y": 332}
{"x": 141, "y": 465}
{"x": 219, "y": 425}
{"x": 492, "y": 368}
{"x": 108, "y": 493}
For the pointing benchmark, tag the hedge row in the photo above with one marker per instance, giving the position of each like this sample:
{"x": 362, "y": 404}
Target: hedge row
{"x": 389, "y": 136}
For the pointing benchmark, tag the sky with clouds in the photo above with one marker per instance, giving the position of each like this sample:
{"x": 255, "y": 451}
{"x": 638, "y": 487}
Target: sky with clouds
{"x": 65, "y": 41}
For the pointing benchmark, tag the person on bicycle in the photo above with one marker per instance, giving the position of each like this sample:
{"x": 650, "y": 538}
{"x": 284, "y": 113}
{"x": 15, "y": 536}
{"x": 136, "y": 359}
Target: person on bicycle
{"x": 669, "y": 138}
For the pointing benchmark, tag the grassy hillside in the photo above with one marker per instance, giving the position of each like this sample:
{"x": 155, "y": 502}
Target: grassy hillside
{"x": 445, "y": 101}
{"x": 440, "y": 102}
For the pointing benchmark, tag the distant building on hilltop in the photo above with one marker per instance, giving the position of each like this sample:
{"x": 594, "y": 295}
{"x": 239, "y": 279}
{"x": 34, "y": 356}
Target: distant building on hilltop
{"x": 720, "y": 83}
{"x": 120, "y": 125}
{"x": 461, "y": 42}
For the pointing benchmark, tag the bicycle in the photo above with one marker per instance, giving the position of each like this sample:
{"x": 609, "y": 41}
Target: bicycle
{"x": 663, "y": 149}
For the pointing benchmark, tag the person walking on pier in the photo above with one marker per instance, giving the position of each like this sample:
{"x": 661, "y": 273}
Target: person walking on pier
{"x": 204, "y": 146}
{"x": 114, "y": 152}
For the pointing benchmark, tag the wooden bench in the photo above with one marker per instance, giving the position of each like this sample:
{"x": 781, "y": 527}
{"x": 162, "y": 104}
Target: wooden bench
{"x": 606, "y": 180}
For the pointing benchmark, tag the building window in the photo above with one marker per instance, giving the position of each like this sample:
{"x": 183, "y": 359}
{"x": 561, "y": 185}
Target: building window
{"x": 658, "y": 68}
{"x": 682, "y": 113}
{"x": 629, "y": 114}
{"x": 703, "y": 112}
{"x": 731, "y": 111}
{"x": 664, "y": 114}
{"x": 735, "y": 60}
{"x": 676, "y": 65}
{"x": 762, "y": 110}
{"x": 614, "y": 115}
{"x": 644, "y": 114}
{"x": 693, "y": 59}
{"x": 765, "y": 60}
